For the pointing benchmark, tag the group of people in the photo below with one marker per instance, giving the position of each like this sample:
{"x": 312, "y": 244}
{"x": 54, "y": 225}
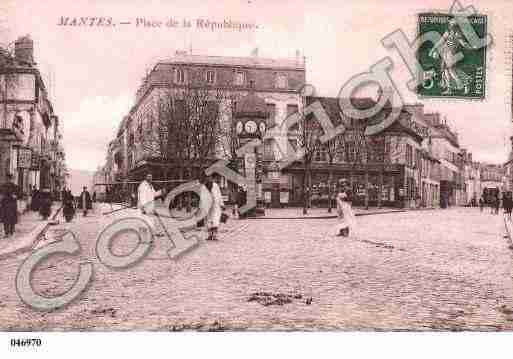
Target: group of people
{"x": 146, "y": 196}
{"x": 214, "y": 209}
{"x": 70, "y": 204}
{"x": 494, "y": 202}
{"x": 10, "y": 193}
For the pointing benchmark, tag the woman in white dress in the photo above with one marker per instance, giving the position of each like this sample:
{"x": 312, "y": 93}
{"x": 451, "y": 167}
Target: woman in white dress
{"x": 347, "y": 220}
{"x": 215, "y": 211}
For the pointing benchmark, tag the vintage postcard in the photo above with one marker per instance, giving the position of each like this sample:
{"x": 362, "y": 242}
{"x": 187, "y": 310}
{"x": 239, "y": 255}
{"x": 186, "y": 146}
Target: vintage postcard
{"x": 255, "y": 165}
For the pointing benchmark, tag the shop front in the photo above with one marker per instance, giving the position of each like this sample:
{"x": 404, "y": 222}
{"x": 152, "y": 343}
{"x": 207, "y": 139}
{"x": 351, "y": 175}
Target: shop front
{"x": 385, "y": 184}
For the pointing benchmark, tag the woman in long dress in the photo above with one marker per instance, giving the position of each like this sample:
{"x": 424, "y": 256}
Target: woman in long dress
{"x": 216, "y": 209}
{"x": 347, "y": 220}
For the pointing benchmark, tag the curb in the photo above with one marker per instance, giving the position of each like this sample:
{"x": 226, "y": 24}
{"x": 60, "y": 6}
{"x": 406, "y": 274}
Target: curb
{"x": 356, "y": 214}
{"x": 33, "y": 237}
{"x": 508, "y": 230}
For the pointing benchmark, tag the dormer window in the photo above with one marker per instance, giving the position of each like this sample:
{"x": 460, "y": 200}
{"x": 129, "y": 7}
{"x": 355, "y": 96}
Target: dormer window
{"x": 240, "y": 78}
{"x": 180, "y": 76}
{"x": 281, "y": 81}
{"x": 211, "y": 77}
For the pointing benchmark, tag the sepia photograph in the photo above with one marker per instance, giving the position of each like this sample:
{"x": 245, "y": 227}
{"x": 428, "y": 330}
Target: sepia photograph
{"x": 284, "y": 168}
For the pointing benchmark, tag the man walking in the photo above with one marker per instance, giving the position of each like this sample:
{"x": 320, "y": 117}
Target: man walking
{"x": 9, "y": 206}
{"x": 85, "y": 201}
{"x": 146, "y": 196}
{"x": 497, "y": 202}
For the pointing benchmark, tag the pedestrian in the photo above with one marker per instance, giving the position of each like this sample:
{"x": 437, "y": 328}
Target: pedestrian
{"x": 9, "y": 206}
{"x": 347, "y": 221}
{"x": 85, "y": 202}
{"x": 216, "y": 209}
{"x": 507, "y": 203}
{"x": 94, "y": 196}
{"x": 497, "y": 203}
{"x": 68, "y": 207}
{"x": 146, "y": 196}
{"x": 45, "y": 203}
{"x": 241, "y": 202}
{"x": 34, "y": 203}
{"x": 481, "y": 203}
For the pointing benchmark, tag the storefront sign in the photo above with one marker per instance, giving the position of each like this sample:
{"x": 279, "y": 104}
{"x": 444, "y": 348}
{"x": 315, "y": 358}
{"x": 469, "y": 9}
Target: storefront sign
{"x": 24, "y": 158}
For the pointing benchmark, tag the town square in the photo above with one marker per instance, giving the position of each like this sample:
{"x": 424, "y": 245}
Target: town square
{"x": 344, "y": 168}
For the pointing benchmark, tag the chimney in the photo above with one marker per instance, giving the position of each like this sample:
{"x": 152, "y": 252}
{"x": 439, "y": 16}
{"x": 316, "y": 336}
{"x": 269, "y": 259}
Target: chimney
{"x": 24, "y": 50}
{"x": 254, "y": 53}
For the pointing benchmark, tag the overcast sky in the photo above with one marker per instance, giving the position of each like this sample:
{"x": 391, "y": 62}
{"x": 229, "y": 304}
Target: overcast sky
{"x": 93, "y": 72}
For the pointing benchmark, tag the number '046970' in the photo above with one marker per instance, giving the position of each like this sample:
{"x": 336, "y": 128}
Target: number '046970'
{"x": 26, "y": 342}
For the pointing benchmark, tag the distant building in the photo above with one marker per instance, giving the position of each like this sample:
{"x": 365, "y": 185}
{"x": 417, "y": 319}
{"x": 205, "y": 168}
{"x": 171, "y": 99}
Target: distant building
{"x": 493, "y": 178}
{"x": 508, "y": 168}
{"x": 30, "y": 137}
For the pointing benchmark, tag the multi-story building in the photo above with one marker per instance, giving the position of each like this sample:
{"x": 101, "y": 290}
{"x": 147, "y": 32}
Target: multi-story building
{"x": 391, "y": 168}
{"x": 277, "y": 82}
{"x": 508, "y": 167}
{"x": 30, "y": 138}
{"x": 493, "y": 178}
{"x": 416, "y": 161}
{"x": 446, "y": 148}
{"x": 472, "y": 178}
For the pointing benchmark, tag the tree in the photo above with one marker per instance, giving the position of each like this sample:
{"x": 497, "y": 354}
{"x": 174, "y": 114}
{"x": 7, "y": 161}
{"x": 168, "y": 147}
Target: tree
{"x": 334, "y": 149}
{"x": 309, "y": 133}
{"x": 184, "y": 131}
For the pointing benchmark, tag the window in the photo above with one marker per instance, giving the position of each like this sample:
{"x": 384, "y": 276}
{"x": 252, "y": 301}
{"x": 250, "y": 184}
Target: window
{"x": 240, "y": 78}
{"x": 281, "y": 81}
{"x": 179, "y": 76}
{"x": 409, "y": 155}
{"x": 139, "y": 131}
{"x": 211, "y": 77}
{"x": 268, "y": 150}
{"x": 350, "y": 152}
{"x": 418, "y": 158}
{"x": 149, "y": 127}
{"x": 321, "y": 154}
{"x": 271, "y": 121}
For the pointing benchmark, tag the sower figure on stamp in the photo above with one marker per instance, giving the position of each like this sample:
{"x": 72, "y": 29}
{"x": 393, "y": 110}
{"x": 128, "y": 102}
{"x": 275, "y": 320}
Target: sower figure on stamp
{"x": 449, "y": 45}
{"x": 9, "y": 206}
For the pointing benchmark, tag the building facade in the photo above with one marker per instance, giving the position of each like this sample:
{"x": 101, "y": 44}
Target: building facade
{"x": 227, "y": 79}
{"x": 414, "y": 162}
{"x": 30, "y": 137}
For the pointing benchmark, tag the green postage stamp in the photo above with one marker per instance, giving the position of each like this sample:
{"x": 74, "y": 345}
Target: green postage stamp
{"x": 444, "y": 75}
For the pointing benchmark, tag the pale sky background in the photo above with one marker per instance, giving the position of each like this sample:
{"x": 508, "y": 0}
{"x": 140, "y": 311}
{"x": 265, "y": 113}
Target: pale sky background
{"x": 94, "y": 72}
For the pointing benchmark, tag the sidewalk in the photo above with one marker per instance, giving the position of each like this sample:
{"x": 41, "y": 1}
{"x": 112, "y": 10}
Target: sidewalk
{"x": 29, "y": 228}
{"x": 314, "y": 213}
{"x": 509, "y": 231}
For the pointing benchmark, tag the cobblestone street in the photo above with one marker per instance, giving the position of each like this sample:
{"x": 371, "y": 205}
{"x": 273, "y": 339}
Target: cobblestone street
{"x": 422, "y": 270}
